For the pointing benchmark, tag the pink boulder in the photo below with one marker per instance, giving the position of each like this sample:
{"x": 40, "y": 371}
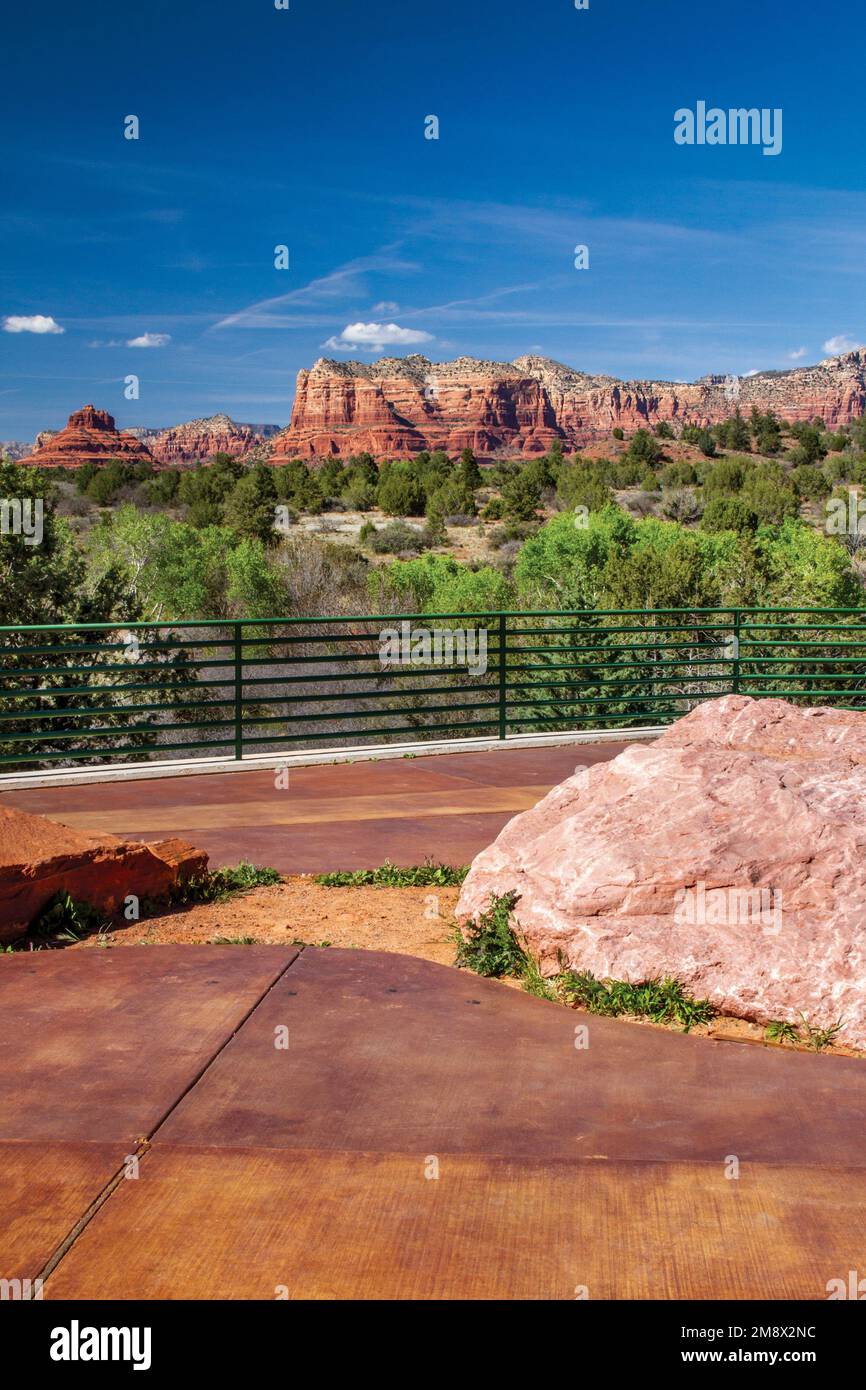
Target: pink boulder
{"x": 730, "y": 854}
{"x": 41, "y": 857}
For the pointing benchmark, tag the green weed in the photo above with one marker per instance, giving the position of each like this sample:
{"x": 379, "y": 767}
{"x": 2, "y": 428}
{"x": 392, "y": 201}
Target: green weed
{"x": 216, "y": 886}
{"x": 780, "y": 1031}
{"x": 388, "y": 875}
{"x": 819, "y": 1038}
{"x": 489, "y": 946}
{"x": 66, "y": 919}
{"x": 659, "y": 1000}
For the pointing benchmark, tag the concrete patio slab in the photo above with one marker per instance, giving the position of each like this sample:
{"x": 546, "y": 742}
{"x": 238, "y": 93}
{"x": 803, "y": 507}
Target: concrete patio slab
{"x": 264, "y": 1224}
{"x": 342, "y": 816}
{"x": 390, "y": 1053}
{"x": 424, "y": 1134}
{"x": 106, "y": 1042}
{"x": 46, "y": 1188}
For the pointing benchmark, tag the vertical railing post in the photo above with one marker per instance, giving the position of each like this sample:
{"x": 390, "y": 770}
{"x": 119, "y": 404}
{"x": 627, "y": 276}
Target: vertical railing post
{"x": 503, "y": 690}
{"x": 239, "y": 693}
{"x": 735, "y": 673}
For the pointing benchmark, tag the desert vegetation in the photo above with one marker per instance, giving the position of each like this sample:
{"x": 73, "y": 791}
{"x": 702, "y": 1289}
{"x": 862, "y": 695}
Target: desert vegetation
{"x": 732, "y": 516}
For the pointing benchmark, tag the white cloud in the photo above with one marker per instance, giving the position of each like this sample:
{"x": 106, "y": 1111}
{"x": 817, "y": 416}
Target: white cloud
{"x": 150, "y": 340}
{"x": 374, "y": 337}
{"x": 797, "y": 354}
{"x": 841, "y": 343}
{"x": 31, "y": 323}
{"x": 386, "y": 306}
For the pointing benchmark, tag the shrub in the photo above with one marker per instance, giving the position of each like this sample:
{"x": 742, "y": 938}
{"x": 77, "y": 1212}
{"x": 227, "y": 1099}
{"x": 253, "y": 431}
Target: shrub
{"x": 397, "y": 537}
{"x": 729, "y": 514}
{"x": 489, "y": 946}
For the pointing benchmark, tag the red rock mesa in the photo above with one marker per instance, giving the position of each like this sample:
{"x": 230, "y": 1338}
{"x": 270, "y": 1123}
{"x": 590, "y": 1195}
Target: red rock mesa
{"x": 398, "y": 406}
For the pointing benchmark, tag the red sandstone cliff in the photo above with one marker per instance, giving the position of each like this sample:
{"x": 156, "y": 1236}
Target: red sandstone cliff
{"x": 401, "y": 405}
{"x": 90, "y": 436}
{"x": 201, "y": 439}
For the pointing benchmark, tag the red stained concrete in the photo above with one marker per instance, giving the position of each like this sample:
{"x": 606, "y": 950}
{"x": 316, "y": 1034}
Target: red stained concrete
{"x": 335, "y": 816}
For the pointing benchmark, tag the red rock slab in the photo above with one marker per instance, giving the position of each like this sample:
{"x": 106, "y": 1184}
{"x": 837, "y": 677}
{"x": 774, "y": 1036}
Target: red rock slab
{"x": 392, "y": 1054}
{"x": 40, "y": 858}
{"x": 46, "y": 1189}
{"x": 101, "y": 1044}
{"x": 214, "y": 1223}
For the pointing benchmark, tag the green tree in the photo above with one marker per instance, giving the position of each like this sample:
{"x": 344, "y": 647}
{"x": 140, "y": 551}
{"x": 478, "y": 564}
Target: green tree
{"x": 250, "y": 508}
{"x": 521, "y": 496}
{"x": 643, "y": 448}
{"x": 400, "y": 493}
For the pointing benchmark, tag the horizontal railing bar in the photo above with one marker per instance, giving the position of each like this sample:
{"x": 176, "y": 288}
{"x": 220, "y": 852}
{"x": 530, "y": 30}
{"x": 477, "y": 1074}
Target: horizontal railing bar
{"x": 55, "y": 691}
{"x": 56, "y": 734}
{"x": 372, "y": 694}
{"x": 72, "y": 712}
{"x": 64, "y": 649}
{"x": 111, "y": 669}
{"x": 332, "y": 715}
{"x": 133, "y": 752}
{"x": 420, "y": 729}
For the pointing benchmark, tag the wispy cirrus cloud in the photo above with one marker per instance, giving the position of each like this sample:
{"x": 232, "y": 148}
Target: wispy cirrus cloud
{"x": 345, "y": 283}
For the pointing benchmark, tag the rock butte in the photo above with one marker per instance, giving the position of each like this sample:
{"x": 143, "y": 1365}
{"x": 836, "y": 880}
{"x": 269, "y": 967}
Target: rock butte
{"x": 41, "y": 857}
{"x": 398, "y": 406}
{"x": 652, "y": 864}
{"x": 90, "y": 436}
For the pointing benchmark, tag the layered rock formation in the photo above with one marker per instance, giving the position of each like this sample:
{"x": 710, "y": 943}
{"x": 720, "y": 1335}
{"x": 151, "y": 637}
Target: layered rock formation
{"x": 401, "y": 405}
{"x": 730, "y": 853}
{"x": 40, "y": 858}
{"x": 90, "y": 436}
{"x": 198, "y": 440}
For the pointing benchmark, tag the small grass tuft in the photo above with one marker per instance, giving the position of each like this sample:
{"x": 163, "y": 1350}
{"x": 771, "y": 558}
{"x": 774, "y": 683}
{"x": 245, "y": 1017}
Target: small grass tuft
{"x": 659, "y": 1000}
{"x": 66, "y": 919}
{"x": 388, "y": 875}
{"x": 216, "y": 886}
{"x": 232, "y": 941}
{"x": 778, "y": 1030}
{"x": 819, "y": 1038}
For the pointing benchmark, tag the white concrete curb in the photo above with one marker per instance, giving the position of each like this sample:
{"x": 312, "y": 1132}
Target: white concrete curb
{"x": 198, "y": 767}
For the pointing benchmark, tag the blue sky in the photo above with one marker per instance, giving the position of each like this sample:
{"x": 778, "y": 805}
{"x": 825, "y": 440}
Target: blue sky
{"x": 305, "y": 127}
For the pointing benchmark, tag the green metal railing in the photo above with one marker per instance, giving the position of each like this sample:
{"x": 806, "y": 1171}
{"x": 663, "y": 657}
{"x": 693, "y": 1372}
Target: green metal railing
{"x": 141, "y": 691}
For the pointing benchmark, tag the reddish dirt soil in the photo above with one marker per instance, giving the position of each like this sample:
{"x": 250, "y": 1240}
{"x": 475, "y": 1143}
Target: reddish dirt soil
{"x": 414, "y": 921}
